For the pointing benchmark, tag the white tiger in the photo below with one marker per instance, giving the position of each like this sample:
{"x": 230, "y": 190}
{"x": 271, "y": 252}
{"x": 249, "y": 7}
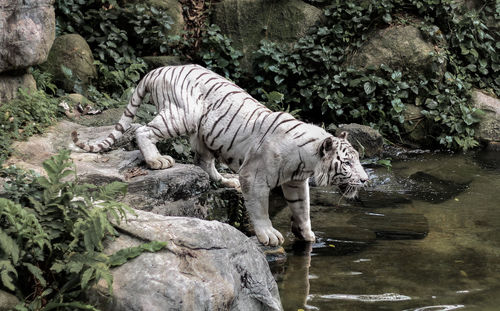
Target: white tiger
{"x": 267, "y": 149}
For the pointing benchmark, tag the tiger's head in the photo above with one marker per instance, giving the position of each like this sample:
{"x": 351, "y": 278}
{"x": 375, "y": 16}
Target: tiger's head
{"x": 339, "y": 165}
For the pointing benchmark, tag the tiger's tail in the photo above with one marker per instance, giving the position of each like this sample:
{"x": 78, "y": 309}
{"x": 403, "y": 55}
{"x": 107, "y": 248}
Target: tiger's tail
{"x": 120, "y": 127}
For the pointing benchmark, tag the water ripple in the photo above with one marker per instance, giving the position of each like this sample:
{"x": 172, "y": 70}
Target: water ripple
{"x": 367, "y": 298}
{"x": 438, "y": 308}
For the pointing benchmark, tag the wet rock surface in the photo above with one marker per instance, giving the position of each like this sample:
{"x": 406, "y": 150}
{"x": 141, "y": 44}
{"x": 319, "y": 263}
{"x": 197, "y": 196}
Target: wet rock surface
{"x": 393, "y": 226}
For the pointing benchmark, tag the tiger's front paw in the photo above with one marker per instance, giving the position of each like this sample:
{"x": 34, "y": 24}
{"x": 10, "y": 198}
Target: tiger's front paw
{"x": 162, "y": 162}
{"x": 303, "y": 233}
{"x": 267, "y": 235}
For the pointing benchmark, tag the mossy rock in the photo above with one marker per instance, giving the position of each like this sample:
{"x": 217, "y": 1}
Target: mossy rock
{"x": 366, "y": 140}
{"x": 399, "y": 47}
{"x": 11, "y": 82}
{"x": 7, "y": 301}
{"x": 71, "y": 63}
{"x": 247, "y": 22}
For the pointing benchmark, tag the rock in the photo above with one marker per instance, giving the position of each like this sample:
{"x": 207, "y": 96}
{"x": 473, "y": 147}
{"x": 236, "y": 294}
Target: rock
{"x": 247, "y": 22}
{"x": 79, "y": 99}
{"x": 27, "y": 33}
{"x": 489, "y": 159}
{"x": 181, "y": 190}
{"x": 147, "y": 189}
{"x": 172, "y": 8}
{"x": 393, "y": 226}
{"x": 7, "y": 301}
{"x": 73, "y": 52}
{"x": 398, "y": 47}
{"x": 367, "y": 141}
{"x": 11, "y": 82}
{"x": 161, "y": 61}
{"x": 206, "y": 265}
{"x": 488, "y": 129}
{"x": 416, "y": 126}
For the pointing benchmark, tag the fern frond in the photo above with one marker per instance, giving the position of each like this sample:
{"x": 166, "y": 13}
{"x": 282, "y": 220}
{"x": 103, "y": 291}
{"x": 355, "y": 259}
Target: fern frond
{"x": 9, "y": 247}
{"x": 6, "y": 272}
{"x": 36, "y": 272}
{"x": 112, "y": 190}
{"x": 122, "y": 256}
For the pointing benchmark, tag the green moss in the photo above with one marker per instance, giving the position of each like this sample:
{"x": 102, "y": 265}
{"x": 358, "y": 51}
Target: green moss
{"x": 71, "y": 63}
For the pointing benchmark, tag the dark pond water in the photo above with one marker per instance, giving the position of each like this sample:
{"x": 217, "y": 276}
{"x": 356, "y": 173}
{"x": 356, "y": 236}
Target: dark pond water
{"x": 424, "y": 237}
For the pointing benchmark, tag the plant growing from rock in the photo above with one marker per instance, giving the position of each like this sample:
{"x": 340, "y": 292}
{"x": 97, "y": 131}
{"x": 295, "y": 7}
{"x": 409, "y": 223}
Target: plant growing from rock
{"x": 52, "y": 233}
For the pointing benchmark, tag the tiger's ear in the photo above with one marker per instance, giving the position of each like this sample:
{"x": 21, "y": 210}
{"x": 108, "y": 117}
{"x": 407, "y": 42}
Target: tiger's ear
{"x": 343, "y": 135}
{"x": 327, "y": 146}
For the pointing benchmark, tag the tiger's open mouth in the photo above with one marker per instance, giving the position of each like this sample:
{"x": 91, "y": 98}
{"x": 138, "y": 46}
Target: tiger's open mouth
{"x": 349, "y": 191}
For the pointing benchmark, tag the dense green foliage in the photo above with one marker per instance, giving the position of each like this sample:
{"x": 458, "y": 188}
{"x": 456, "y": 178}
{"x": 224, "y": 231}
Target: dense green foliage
{"x": 51, "y": 236}
{"x": 118, "y": 35}
{"x": 314, "y": 78}
{"x": 30, "y": 113}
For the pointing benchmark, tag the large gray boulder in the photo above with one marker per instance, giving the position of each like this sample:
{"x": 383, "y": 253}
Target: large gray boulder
{"x": 71, "y": 63}
{"x": 247, "y": 22}
{"x": 207, "y": 265}
{"x": 398, "y": 47}
{"x": 27, "y": 30}
{"x": 488, "y": 129}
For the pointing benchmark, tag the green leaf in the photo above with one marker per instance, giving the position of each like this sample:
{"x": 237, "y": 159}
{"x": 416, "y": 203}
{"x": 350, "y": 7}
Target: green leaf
{"x": 67, "y": 72}
{"x": 86, "y": 277}
{"x": 387, "y": 18}
{"x": 37, "y": 273}
{"x": 396, "y": 75}
{"x": 369, "y": 88}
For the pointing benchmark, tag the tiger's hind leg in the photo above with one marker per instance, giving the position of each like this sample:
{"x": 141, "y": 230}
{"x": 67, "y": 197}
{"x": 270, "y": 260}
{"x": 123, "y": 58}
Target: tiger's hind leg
{"x": 205, "y": 159}
{"x": 148, "y": 135}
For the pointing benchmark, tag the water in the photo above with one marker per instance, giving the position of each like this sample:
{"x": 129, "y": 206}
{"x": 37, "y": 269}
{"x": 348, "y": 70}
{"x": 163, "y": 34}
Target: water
{"x": 426, "y": 236}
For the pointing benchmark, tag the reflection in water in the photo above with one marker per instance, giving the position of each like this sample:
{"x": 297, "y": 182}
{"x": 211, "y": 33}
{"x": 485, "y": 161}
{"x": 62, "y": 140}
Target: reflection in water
{"x": 426, "y": 237}
{"x": 296, "y": 277}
